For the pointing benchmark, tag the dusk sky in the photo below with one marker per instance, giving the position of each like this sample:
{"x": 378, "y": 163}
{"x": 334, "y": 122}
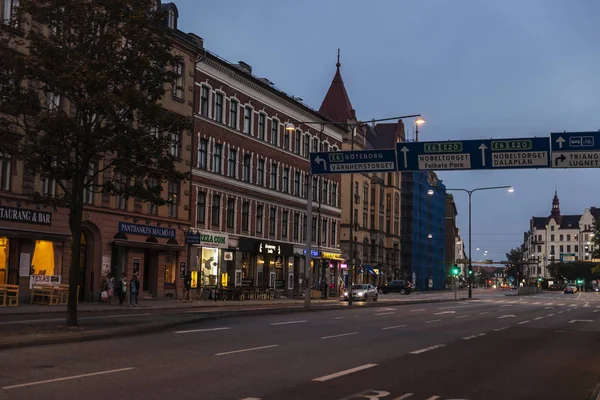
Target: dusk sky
{"x": 474, "y": 69}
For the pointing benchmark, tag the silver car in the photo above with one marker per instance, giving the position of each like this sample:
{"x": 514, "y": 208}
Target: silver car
{"x": 363, "y": 292}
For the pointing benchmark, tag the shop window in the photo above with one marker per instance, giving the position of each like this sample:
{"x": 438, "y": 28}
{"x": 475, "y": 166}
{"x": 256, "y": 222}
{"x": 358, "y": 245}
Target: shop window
{"x": 43, "y": 260}
{"x": 5, "y": 164}
{"x": 170, "y": 268}
{"x": 209, "y": 263}
{"x": 3, "y": 260}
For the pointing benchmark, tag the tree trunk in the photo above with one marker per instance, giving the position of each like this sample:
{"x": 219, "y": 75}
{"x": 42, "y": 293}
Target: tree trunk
{"x": 75, "y": 217}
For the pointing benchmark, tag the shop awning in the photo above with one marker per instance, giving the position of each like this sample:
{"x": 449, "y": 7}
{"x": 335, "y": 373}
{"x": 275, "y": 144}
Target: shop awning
{"x": 147, "y": 245}
{"x": 369, "y": 269}
{"x": 35, "y": 235}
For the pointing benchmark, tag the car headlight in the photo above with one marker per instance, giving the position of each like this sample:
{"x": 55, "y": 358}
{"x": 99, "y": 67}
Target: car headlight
{"x": 360, "y": 294}
{"x": 345, "y": 293}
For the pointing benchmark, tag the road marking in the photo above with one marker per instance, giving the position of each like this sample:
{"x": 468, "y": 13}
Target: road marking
{"x": 345, "y": 372}
{"x": 485, "y": 312}
{"x": 501, "y": 329}
{"x": 524, "y": 322}
{"x": 385, "y": 309}
{"x": 251, "y": 398}
{"x": 340, "y": 317}
{"x": 505, "y": 305}
{"x": 343, "y": 334}
{"x": 445, "y": 312}
{"x": 568, "y": 309}
{"x": 548, "y": 304}
{"x": 288, "y": 322}
{"x": 548, "y": 308}
{"x": 433, "y": 398}
{"x": 537, "y": 318}
{"x": 538, "y": 302}
{"x": 506, "y": 316}
{"x": 244, "y": 350}
{"x": 420, "y": 309}
{"x": 596, "y": 310}
{"x": 550, "y": 315}
{"x": 560, "y": 312}
{"x": 393, "y": 327}
{"x": 384, "y": 313}
{"x": 572, "y": 305}
{"x": 202, "y": 330}
{"x": 437, "y": 346}
{"x": 432, "y": 321}
{"x": 462, "y": 316}
{"x": 580, "y": 320}
{"x": 473, "y": 336}
{"x": 578, "y": 297}
{"x": 112, "y": 371}
{"x": 404, "y": 396}
{"x": 28, "y": 321}
{"x": 560, "y": 304}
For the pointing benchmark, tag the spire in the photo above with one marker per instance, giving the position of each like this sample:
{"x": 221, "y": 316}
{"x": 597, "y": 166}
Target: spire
{"x": 555, "y": 205}
{"x": 336, "y": 105}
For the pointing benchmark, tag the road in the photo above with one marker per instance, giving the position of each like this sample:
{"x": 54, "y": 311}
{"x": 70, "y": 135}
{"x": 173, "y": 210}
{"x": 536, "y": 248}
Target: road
{"x": 537, "y": 347}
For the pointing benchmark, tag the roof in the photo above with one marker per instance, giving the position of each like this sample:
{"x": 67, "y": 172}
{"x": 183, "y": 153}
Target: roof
{"x": 336, "y": 104}
{"x": 564, "y": 221}
{"x": 595, "y": 212}
{"x": 385, "y": 136}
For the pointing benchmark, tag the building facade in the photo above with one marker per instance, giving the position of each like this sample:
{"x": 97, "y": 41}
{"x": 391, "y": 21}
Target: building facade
{"x": 558, "y": 238}
{"x": 118, "y": 235}
{"x": 250, "y": 183}
{"x": 451, "y": 236}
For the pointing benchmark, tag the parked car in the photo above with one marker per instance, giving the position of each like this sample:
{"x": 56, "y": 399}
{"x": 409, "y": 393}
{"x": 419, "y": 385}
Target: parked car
{"x": 396, "y": 286}
{"x": 363, "y": 292}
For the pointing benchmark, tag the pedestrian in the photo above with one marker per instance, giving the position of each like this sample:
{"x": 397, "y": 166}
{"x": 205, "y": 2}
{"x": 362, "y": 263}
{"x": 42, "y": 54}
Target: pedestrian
{"x": 187, "y": 285}
{"x": 134, "y": 289}
{"x": 122, "y": 288}
{"x": 110, "y": 287}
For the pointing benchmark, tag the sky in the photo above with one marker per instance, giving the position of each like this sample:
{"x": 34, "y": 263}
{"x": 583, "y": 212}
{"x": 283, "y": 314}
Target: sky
{"x": 474, "y": 69}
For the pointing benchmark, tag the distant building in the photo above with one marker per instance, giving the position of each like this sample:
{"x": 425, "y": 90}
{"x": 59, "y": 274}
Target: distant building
{"x": 451, "y": 234}
{"x": 558, "y": 238}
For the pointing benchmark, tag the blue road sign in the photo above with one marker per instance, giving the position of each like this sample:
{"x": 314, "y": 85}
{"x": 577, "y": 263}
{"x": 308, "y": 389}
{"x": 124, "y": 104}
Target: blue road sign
{"x": 474, "y": 154}
{"x": 575, "y": 149}
{"x": 192, "y": 238}
{"x": 346, "y": 162}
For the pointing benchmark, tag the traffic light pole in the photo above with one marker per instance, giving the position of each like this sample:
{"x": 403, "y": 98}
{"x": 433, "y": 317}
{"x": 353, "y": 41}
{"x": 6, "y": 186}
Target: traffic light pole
{"x": 470, "y": 271}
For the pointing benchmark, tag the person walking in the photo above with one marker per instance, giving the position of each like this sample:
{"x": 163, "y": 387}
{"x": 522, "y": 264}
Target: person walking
{"x": 122, "y": 288}
{"x": 111, "y": 287}
{"x": 134, "y": 289}
{"x": 187, "y": 285}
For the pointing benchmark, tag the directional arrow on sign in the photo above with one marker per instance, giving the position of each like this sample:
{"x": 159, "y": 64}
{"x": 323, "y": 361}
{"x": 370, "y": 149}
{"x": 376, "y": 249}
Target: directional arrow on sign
{"x": 445, "y": 312}
{"x": 319, "y": 160}
{"x": 483, "y": 148}
{"x": 580, "y": 320}
{"x": 506, "y": 316}
{"x": 561, "y": 159}
{"x": 405, "y": 150}
{"x": 560, "y": 141}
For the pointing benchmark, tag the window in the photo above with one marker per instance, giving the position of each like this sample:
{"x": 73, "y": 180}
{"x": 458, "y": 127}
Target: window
{"x": 552, "y": 250}
{"x": 275, "y": 132}
{"x": 259, "y": 219}
{"x": 230, "y": 213}
{"x": 233, "y": 114}
{"x": 245, "y": 215}
{"x": 315, "y": 188}
{"x": 296, "y": 226}
{"x": 576, "y": 248}
{"x": 314, "y": 231}
{"x": 9, "y": 6}
{"x": 562, "y": 237}
{"x": 552, "y": 228}
{"x": 204, "y": 101}
{"x": 262, "y": 121}
{"x": 365, "y": 195}
{"x": 305, "y": 195}
{"x": 231, "y": 167}
{"x": 286, "y": 139}
{"x": 217, "y": 158}
{"x": 364, "y": 219}
{"x": 260, "y": 173}
{"x": 325, "y": 192}
{"x": 90, "y": 182}
{"x": 285, "y": 181}
{"x": 304, "y": 225}
{"x": 272, "y": 216}
{"x": 306, "y": 145}
{"x": 215, "y": 216}
{"x": 202, "y": 153}
{"x": 315, "y": 145}
{"x": 152, "y": 183}
{"x": 284, "y": 223}
{"x": 5, "y": 164}
{"x": 52, "y": 101}
{"x": 568, "y": 238}
{"x": 173, "y": 197}
{"x": 575, "y": 237}
{"x": 219, "y": 107}
{"x": 175, "y": 139}
{"x": 334, "y": 193}
{"x": 373, "y": 196}
{"x": 539, "y": 249}
{"x": 356, "y": 194}
{"x": 552, "y": 238}
{"x": 568, "y": 248}
{"x": 297, "y": 183}
{"x": 273, "y": 182}
{"x": 297, "y": 139}
{"x": 333, "y": 233}
{"x": 246, "y": 168}
{"x": 119, "y": 186}
{"x": 49, "y": 189}
{"x": 201, "y": 208}
{"x": 171, "y": 18}
{"x": 247, "y": 120}
{"x": 179, "y": 83}
{"x": 324, "y": 232}
{"x": 562, "y": 248}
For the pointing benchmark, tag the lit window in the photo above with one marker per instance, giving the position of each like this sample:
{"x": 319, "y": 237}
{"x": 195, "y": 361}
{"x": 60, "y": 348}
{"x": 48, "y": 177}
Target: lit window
{"x": 43, "y": 261}
{"x": 173, "y": 197}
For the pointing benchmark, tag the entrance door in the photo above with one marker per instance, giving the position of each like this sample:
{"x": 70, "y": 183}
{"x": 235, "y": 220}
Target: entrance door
{"x": 150, "y": 281}
{"x": 82, "y": 269}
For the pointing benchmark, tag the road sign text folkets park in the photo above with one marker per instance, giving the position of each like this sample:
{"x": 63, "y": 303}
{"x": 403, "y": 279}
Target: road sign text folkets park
{"x": 561, "y": 150}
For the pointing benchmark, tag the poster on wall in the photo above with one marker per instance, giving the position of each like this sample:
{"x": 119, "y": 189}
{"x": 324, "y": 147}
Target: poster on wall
{"x": 194, "y": 284}
{"x": 238, "y": 278}
{"x": 25, "y": 264}
{"x": 105, "y": 265}
{"x": 182, "y": 269}
{"x": 44, "y": 280}
{"x": 136, "y": 266}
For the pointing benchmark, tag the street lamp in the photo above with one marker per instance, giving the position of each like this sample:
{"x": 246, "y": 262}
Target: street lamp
{"x": 510, "y": 189}
{"x": 352, "y": 125}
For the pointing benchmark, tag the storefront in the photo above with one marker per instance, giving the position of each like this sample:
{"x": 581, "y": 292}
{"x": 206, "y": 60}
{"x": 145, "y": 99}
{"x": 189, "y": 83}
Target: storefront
{"x": 332, "y": 261}
{"x": 210, "y": 259}
{"x": 266, "y": 264}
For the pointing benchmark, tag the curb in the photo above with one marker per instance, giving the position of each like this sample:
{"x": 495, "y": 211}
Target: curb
{"x": 20, "y": 342}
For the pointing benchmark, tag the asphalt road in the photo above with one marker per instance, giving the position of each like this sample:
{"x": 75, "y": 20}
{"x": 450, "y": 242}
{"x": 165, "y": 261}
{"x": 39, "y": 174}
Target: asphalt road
{"x": 538, "y": 347}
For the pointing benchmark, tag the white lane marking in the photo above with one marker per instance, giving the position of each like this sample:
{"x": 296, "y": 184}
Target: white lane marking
{"x": 385, "y": 309}
{"x": 341, "y": 317}
{"x": 485, "y": 312}
{"x": 572, "y": 305}
{"x": 251, "y": 398}
{"x": 432, "y": 321}
{"x": 66, "y": 378}
{"x": 202, "y": 330}
{"x": 578, "y": 297}
{"x": 560, "y": 304}
{"x": 244, "y": 350}
{"x": 445, "y": 312}
{"x": 506, "y": 305}
{"x": 560, "y": 312}
{"x": 393, "y": 327}
{"x": 548, "y": 304}
{"x": 433, "y": 398}
{"x": 596, "y": 310}
{"x": 568, "y": 309}
{"x": 548, "y": 308}
{"x": 538, "y": 302}
{"x": 437, "y": 346}
{"x": 537, "y": 318}
{"x": 580, "y": 320}
{"x": 420, "y": 309}
{"x": 473, "y": 336}
{"x": 501, "y": 329}
{"x": 462, "y": 316}
{"x": 524, "y": 322}
{"x": 550, "y": 315}
{"x": 343, "y": 334}
{"x": 384, "y": 313}
{"x": 506, "y": 316}
{"x": 288, "y": 322}
{"x": 404, "y": 396}
{"x": 345, "y": 372}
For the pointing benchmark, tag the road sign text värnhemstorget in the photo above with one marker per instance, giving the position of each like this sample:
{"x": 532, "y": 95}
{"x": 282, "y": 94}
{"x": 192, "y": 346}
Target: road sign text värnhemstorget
{"x": 346, "y": 162}
{"x": 575, "y": 149}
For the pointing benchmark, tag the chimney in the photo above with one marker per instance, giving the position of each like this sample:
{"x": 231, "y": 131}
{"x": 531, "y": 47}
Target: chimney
{"x": 244, "y": 67}
{"x": 199, "y": 41}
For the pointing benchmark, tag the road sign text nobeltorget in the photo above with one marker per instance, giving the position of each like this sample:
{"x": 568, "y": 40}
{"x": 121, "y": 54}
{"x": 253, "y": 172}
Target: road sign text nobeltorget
{"x": 340, "y": 162}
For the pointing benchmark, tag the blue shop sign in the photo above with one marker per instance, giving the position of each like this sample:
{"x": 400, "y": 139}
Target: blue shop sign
{"x": 313, "y": 253}
{"x": 146, "y": 230}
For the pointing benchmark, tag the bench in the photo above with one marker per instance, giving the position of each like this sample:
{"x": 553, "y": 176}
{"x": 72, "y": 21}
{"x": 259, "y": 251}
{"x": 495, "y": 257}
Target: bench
{"x": 9, "y": 295}
{"x": 51, "y": 295}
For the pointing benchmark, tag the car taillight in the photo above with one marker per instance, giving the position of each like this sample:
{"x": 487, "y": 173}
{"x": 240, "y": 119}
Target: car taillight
{"x": 409, "y": 285}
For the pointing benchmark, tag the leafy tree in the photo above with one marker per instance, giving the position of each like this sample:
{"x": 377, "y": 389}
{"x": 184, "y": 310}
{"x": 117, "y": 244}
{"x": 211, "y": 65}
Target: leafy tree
{"x": 82, "y": 105}
{"x": 573, "y": 271}
{"x": 596, "y": 239}
{"x": 514, "y": 256}
{"x": 596, "y": 271}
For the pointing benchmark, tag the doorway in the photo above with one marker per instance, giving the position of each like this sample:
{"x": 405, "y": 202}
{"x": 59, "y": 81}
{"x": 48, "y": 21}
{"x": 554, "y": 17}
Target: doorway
{"x": 150, "y": 274}
{"x": 82, "y": 268}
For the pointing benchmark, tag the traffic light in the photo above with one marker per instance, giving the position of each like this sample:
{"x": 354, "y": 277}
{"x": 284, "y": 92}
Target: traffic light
{"x": 470, "y": 272}
{"x": 455, "y": 270}
{"x": 580, "y": 281}
{"x": 540, "y": 279}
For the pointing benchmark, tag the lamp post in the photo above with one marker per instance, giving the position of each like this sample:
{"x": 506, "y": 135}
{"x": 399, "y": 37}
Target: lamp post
{"x": 352, "y": 125}
{"x": 470, "y": 193}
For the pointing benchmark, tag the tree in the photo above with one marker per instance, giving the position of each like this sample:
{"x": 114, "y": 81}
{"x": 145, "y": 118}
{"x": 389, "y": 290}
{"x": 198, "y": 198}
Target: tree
{"x": 596, "y": 271}
{"x": 81, "y": 106}
{"x": 513, "y": 257}
{"x": 596, "y": 239}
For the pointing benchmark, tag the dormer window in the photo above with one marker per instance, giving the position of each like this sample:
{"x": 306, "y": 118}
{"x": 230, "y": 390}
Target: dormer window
{"x": 171, "y": 18}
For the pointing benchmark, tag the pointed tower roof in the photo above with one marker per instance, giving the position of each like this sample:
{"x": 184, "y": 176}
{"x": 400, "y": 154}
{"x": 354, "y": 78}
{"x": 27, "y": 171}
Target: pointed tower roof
{"x": 336, "y": 105}
{"x": 555, "y": 206}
